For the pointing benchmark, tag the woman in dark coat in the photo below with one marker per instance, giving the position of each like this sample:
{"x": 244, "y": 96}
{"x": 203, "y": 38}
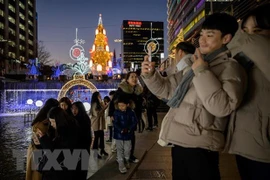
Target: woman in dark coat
{"x": 64, "y": 137}
{"x": 132, "y": 90}
{"x": 41, "y": 121}
{"x": 85, "y": 136}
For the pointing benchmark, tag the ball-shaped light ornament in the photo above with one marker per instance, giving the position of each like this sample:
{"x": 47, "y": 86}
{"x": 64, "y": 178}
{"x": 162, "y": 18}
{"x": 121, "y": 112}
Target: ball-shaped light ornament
{"x": 39, "y": 103}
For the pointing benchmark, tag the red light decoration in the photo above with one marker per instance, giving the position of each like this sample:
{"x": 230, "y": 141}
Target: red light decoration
{"x": 135, "y": 23}
{"x": 76, "y": 52}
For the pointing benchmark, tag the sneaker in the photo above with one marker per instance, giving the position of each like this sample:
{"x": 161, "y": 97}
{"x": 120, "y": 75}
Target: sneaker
{"x": 133, "y": 159}
{"x": 122, "y": 168}
{"x": 155, "y": 126}
{"x": 149, "y": 129}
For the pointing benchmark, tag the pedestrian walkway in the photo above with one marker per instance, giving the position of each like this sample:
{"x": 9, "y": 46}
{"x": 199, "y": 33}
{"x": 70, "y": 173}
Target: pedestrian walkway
{"x": 155, "y": 161}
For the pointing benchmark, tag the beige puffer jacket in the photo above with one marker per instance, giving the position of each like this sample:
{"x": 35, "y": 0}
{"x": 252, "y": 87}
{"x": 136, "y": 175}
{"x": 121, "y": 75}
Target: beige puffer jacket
{"x": 249, "y": 129}
{"x": 201, "y": 118}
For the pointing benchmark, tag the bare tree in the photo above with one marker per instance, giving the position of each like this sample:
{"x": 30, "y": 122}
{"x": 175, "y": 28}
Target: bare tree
{"x": 43, "y": 54}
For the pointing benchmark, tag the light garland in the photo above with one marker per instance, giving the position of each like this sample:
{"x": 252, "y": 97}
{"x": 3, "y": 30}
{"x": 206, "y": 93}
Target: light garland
{"x": 77, "y": 80}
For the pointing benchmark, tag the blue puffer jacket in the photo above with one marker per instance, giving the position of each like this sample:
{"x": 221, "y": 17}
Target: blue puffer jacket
{"x": 124, "y": 120}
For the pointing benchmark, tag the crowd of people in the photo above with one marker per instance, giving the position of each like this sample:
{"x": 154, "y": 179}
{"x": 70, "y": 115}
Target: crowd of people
{"x": 63, "y": 125}
{"x": 219, "y": 102}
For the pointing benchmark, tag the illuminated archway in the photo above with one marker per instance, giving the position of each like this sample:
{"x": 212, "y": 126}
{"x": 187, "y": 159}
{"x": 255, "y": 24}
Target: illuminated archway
{"x": 77, "y": 80}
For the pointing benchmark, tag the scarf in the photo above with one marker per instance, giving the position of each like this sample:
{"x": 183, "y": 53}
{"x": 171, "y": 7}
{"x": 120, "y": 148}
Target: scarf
{"x": 183, "y": 87}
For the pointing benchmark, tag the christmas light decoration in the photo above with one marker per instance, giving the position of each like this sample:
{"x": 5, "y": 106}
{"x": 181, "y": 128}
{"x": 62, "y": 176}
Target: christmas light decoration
{"x": 78, "y": 80}
{"x": 151, "y": 46}
{"x": 77, "y": 54}
{"x": 100, "y": 54}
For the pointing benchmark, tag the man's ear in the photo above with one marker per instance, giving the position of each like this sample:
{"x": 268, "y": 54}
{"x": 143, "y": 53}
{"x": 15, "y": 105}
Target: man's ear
{"x": 226, "y": 39}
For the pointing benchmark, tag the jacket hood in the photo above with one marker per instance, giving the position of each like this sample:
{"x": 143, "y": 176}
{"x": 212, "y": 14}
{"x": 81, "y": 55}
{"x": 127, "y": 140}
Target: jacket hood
{"x": 127, "y": 88}
{"x": 131, "y": 105}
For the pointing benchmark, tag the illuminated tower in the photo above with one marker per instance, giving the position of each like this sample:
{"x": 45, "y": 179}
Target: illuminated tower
{"x": 100, "y": 54}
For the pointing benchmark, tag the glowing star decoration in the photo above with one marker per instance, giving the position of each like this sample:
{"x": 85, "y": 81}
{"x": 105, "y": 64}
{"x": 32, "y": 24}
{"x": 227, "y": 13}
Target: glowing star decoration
{"x": 77, "y": 54}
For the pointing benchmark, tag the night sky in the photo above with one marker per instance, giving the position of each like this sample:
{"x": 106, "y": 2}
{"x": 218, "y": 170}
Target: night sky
{"x": 58, "y": 20}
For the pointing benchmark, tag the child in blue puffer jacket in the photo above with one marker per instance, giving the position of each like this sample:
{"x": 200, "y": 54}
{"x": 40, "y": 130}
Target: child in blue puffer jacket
{"x": 125, "y": 122}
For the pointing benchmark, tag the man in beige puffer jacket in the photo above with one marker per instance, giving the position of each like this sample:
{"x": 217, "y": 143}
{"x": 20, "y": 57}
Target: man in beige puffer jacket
{"x": 200, "y": 101}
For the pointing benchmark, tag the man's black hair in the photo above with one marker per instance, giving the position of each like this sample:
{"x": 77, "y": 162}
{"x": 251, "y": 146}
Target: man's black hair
{"x": 223, "y": 22}
{"x": 185, "y": 46}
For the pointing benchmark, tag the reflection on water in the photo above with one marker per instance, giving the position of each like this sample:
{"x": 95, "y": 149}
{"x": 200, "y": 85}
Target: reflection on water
{"x": 14, "y": 135}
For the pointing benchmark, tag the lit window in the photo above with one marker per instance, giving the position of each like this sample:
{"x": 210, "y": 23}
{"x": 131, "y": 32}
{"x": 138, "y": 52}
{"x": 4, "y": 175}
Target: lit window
{"x": 30, "y": 32}
{"x": 11, "y": 19}
{"x": 22, "y": 16}
{"x": 30, "y": 52}
{"x": 12, "y": 31}
{"x": 21, "y": 58}
{"x": 30, "y": 42}
{"x": 12, "y": 43}
{"x": 30, "y": 22}
{"x": 11, "y": 8}
{"x": 30, "y": 3}
{"x": 30, "y": 13}
{"x": 1, "y": 26}
{"x": 21, "y": 5}
{"x": 22, "y": 37}
{"x": 22, "y": 26}
{"x": 1, "y": 12}
{"x": 11, "y": 54}
{"x": 22, "y": 47}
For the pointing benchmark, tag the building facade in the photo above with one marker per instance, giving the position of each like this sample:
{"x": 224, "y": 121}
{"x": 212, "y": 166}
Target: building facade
{"x": 186, "y": 16}
{"x": 135, "y": 35}
{"x": 18, "y": 34}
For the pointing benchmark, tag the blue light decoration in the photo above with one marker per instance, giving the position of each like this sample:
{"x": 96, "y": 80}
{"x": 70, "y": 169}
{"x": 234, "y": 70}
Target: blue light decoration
{"x": 116, "y": 65}
{"x": 56, "y": 71}
{"x": 33, "y": 67}
{"x": 15, "y": 100}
